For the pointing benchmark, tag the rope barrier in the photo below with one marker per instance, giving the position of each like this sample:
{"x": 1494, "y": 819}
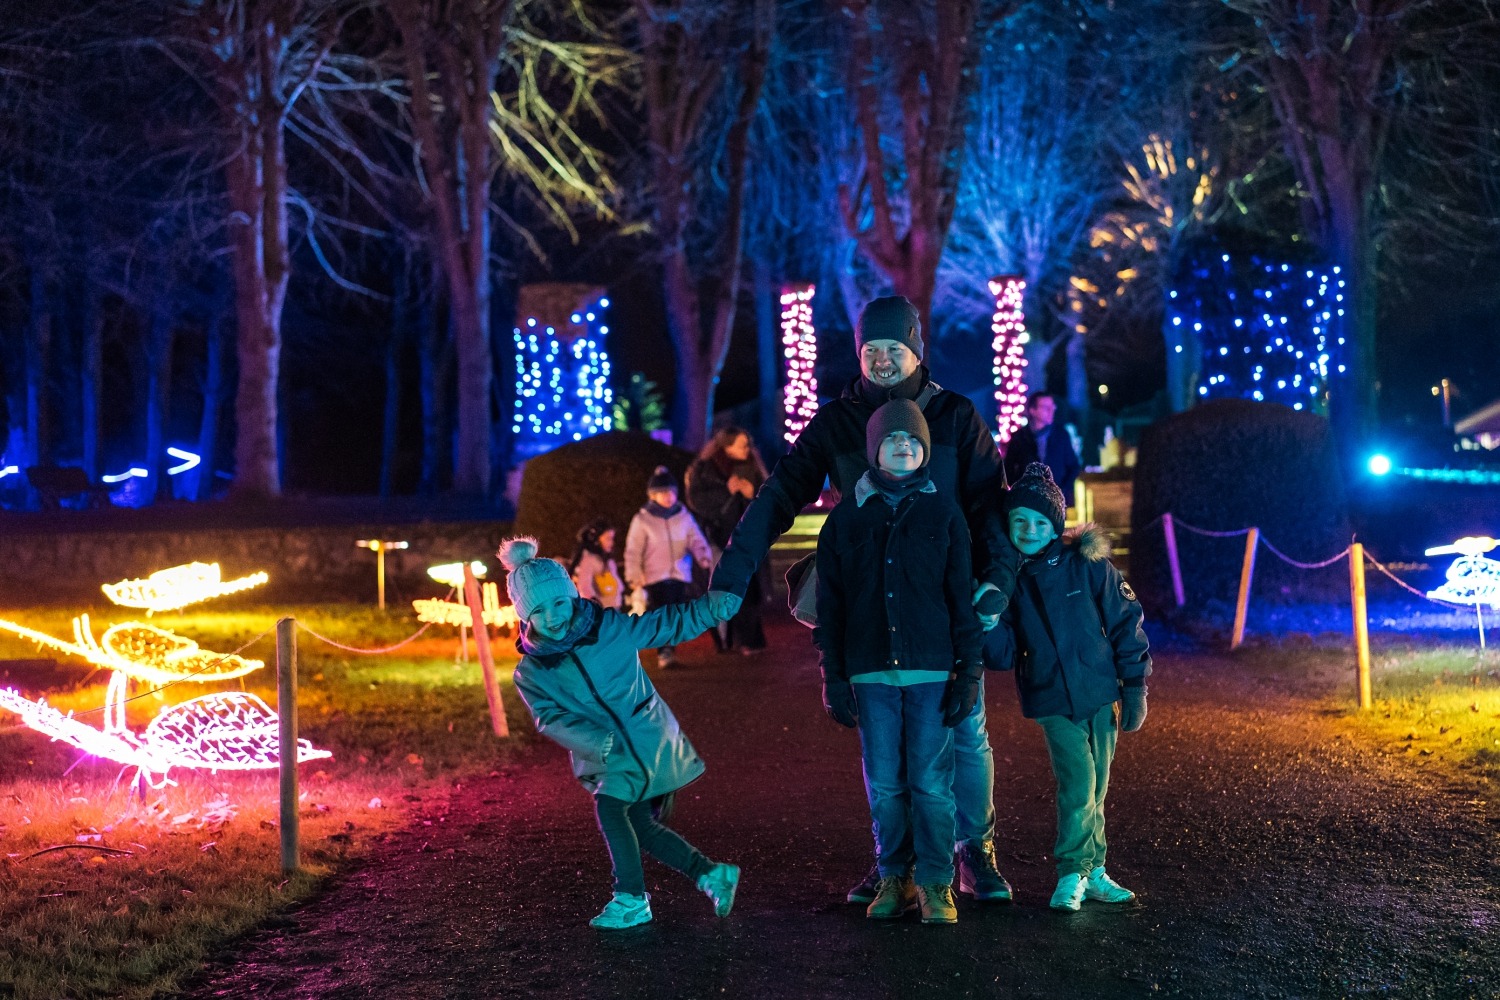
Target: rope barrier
{"x": 1406, "y": 586}
{"x": 1211, "y": 534}
{"x": 364, "y": 652}
{"x": 1302, "y": 565}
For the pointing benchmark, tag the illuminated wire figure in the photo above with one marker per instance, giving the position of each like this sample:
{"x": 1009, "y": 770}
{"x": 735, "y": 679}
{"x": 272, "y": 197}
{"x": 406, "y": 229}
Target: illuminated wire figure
{"x": 177, "y": 587}
{"x": 1472, "y": 578}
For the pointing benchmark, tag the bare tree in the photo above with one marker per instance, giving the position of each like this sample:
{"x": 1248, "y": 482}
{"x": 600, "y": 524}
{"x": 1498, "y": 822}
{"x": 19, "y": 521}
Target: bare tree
{"x": 696, "y": 54}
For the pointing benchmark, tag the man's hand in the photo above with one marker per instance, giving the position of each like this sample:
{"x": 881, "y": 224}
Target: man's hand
{"x": 1132, "y": 708}
{"x": 989, "y": 604}
{"x": 723, "y": 605}
{"x": 959, "y": 699}
{"x": 839, "y": 703}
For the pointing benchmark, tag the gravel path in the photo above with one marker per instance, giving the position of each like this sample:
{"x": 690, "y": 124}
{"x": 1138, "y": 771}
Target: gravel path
{"x": 1276, "y": 856}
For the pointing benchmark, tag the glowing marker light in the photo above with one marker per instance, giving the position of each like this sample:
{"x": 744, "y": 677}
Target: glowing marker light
{"x": 189, "y": 461}
{"x": 9, "y": 470}
{"x": 1008, "y": 326}
{"x": 799, "y": 348}
{"x": 1379, "y": 465}
{"x": 1472, "y": 579}
{"x": 452, "y": 574}
{"x": 178, "y": 587}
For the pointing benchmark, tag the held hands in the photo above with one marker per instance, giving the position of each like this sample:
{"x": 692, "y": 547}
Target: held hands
{"x": 989, "y": 604}
{"x": 723, "y": 605}
{"x": 839, "y": 703}
{"x": 959, "y": 699}
{"x": 1132, "y": 708}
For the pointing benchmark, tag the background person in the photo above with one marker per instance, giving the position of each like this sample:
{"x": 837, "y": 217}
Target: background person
{"x": 660, "y": 548}
{"x": 720, "y": 485}
{"x": 1041, "y": 440}
{"x": 593, "y": 567}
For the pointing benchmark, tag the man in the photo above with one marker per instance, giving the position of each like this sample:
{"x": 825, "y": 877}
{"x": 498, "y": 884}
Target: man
{"x": 964, "y": 467}
{"x": 1042, "y": 441}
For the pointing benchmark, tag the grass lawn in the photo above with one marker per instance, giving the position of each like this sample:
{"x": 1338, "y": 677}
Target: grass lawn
{"x": 194, "y": 864}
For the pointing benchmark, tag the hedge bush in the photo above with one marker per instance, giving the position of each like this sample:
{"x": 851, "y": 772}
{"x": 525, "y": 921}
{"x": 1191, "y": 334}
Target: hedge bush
{"x": 601, "y": 476}
{"x": 1231, "y": 464}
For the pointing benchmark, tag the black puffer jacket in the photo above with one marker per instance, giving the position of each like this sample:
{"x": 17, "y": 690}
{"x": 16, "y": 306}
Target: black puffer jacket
{"x": 1077, "y": 629}
{"x": 893, "y": 588}
{"x": 964, "y": 465}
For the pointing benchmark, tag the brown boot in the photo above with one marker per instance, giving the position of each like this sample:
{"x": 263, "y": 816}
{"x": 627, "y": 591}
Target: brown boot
{"x": 894, "y": 895}
{"x": 937, "y": 904}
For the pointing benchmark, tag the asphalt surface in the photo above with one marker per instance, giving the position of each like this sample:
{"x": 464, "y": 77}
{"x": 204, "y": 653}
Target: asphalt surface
{"x": 1276, "y": 855}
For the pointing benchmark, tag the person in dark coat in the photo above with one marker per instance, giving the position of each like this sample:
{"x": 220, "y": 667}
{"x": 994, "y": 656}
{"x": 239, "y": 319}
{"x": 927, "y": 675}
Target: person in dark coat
{"x": 1041, "y": 440}
{"x": 1079, "y": 649}
{"x": 720, "y": 485}
{"x": 965, "y": 467}
{"x": 900, "y": 654}
{"x": 581, "y": 678}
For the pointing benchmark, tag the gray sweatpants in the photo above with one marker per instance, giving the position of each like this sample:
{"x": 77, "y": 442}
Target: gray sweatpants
{"x": 1081, "y": 753}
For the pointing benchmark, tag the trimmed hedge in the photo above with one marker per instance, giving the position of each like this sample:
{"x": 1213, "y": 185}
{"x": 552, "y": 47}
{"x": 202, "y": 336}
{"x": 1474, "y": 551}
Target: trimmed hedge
{"x": 601, "y": 476}
{"x": 1230, "y": 464}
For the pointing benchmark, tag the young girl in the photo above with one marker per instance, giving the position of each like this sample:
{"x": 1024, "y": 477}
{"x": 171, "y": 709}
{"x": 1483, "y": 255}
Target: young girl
{"x": 581, "y": 678}
{"x": 660, "y": 548}
{"x": 595, "y": 573}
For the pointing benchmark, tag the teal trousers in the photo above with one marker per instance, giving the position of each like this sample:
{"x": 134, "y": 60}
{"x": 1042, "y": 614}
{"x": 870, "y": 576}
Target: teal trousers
{"x": 1081, "y": 753}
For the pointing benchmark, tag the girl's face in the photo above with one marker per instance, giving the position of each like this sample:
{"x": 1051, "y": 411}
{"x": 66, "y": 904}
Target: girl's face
{"x": 739, "y": 448}
{"x": 551, "y": 618}
{"x": 663, "y": 498}
{"x": 1030, "y": 531}
{"x": 607, "y": 541}
{"x": 900, "y": 454}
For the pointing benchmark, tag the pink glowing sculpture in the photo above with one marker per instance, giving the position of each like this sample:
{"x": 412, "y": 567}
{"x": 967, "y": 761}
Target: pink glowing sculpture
{"x": 799, "y": 346}
{"x": 1008, "y": 325}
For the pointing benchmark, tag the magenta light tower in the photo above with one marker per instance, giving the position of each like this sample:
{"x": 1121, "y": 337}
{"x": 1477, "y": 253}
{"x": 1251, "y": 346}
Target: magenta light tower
{"x": 799, "y": 346}
{"x": 1008, "y": 326}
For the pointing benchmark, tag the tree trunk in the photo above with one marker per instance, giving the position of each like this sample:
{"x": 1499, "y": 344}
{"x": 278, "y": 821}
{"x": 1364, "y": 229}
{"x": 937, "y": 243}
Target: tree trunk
{"x": 91, "y": 374}
{"x": 390, "y": 427}
{"x": 158, "y": 402}
{"x": 436, "y": 357}
{"x": 38, "y": 359}
{"x": 768, "y": 356}
{"x": 1184, "y": 355}
{"x": 213, "y": 401}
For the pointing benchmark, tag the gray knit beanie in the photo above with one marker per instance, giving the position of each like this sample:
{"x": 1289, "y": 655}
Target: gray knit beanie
{"x": 897, "y": 415}
{"x": 892, "y": 317}
{"x": 1036, "y": 491}
{"x": 532, "y": 581}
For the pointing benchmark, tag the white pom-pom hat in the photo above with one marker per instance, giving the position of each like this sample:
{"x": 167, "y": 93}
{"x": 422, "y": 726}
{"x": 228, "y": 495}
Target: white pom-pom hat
{"x": 532, "y": 581}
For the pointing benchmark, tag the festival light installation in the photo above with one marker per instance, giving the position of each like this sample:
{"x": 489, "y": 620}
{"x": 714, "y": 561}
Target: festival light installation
{"x": 1472, "y": 578}
{"x": 799, "y": 348}
{"x": 1008, "y": 326}
{"x": 178, "y": 587}
{"x": 1266, "y": 332}
{"x": 457, "y": 615}
{"x": 452, "y": 574}
{"x": 562, "y": 380}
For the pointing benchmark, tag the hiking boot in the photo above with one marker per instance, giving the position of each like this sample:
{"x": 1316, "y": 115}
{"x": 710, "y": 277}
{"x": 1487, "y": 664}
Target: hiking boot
{"x": 1069, "y": 893}
{"x": 977, "y": 874}
{"x": 624, "y": 910}
{"x": 1103, "y": 889}
{"x": 864, "y": 893}
{"x": 894, "y": 895}
{"x": 719, "y": 884}
{"x": 937, "y": 904}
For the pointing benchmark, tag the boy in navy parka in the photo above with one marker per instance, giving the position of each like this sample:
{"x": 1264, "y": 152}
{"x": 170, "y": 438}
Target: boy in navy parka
{"x": 580, "y": 675}
{"x": 1079, "y": 650}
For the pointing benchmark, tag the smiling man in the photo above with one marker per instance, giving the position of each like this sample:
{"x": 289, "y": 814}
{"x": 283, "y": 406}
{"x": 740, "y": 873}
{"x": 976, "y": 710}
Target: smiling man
{"x": 965, "y": 467}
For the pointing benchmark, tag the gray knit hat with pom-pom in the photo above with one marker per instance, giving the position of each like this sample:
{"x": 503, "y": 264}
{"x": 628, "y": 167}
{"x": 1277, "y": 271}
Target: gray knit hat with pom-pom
{"x": 1036, "y": 490}
{"x": 532, "y": 581}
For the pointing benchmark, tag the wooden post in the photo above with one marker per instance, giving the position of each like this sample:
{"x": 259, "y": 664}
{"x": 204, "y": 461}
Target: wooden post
{"x": 1170, "y": 530}
{"x": 482, "y": 647}
{"x": 286, "y": 714}
{"x": 1361, "y": 621}
{"x": 380, "y": 575}
{"x": 1247, "y": 573}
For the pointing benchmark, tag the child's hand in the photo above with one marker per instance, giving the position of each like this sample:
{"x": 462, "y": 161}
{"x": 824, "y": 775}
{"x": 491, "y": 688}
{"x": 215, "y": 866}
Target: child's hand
{"x": 959, "y": 699}
{"x": 723, "y": 605}
{"x": 1132, "y": 708}
{"x": 839, "y": 703}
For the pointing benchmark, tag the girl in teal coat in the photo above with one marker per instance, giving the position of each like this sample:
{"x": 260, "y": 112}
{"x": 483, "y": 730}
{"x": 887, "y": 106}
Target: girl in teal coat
{"x": 580, "y": 676}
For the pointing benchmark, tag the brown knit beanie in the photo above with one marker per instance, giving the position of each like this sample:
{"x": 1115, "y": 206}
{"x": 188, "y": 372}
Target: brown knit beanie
{"x": 897, "y": 415}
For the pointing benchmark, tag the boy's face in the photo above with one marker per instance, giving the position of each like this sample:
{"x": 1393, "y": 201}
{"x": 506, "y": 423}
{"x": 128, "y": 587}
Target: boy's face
{"x": 663, "y": 498}
{"x": 886, "y": 362}
{"x": 551, "y": 618}
{"x": 900, "y": 454}
{"x": 1030, "y": 530}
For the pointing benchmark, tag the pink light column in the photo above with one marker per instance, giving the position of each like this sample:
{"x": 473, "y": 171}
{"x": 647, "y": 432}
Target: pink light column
{"x": 799, "y": 346}
{"x": 1009, "y": 328}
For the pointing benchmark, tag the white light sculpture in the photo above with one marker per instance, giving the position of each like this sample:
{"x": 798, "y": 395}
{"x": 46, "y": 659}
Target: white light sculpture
{"x": 141, "y": 652}
{"x": 452, "y": 574}
{"x": 799, "y": 346}
{"x": 1008, "y": 325}
{"x": 177, "y": 587}
{"x": 440, "y": 612}
{"x": 1472, "y": 579}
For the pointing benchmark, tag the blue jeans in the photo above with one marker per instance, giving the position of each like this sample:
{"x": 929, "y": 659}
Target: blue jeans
{"x": 974, "y": 777}
{"x": 908, "y": 763}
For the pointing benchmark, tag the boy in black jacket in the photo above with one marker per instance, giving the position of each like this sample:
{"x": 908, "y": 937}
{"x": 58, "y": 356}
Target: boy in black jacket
{"x": 1077, "y": 628}
{"x": 901, "y": 658}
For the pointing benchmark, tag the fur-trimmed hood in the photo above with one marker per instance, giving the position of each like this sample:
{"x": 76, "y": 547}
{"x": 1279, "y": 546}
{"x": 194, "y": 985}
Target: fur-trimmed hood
{"x": 1092, "y": 541}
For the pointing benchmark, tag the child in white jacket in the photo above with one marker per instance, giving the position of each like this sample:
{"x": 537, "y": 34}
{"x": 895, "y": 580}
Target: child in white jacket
{"x": 581, "y": 677}
{"x": 663, "y": 542}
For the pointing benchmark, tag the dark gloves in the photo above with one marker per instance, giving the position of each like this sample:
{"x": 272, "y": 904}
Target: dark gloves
{"x": 960, "y": 698}
{"x": 838, "y": 702}
{"x": 1132, "y": 708}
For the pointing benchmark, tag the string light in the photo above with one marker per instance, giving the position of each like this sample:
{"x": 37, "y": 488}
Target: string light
{"x": 562, "y": 381}
{"x": 1008, "y": 326}
{"x": 1264, "y": 329}
{"x": 799, "y": 348}
{"x": 177, "y": 587}
{"x": 452, "y": 613}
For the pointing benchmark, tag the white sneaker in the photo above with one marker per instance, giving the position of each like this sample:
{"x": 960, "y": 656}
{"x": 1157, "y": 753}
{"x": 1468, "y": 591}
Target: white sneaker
{"x": 1103, "y": 889}
{"x": 624, "y": 910}
{"x": 1069, "y": 893}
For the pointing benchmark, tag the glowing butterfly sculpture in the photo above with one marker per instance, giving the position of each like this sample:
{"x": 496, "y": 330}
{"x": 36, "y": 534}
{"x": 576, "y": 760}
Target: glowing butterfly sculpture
{"x": 170, "y": 589}
{"x": 231, "y": 730}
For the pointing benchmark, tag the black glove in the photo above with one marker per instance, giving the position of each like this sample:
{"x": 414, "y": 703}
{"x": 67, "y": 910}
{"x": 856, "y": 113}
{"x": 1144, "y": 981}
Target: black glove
{"x": 960, "y": 698}
{"x": 838, "y": 702}
{"x": 1132, "y": 708}
{"x": 993, "y": 602}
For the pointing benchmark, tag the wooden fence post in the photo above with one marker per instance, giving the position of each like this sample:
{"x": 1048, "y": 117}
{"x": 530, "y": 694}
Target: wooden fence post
{"x": 482, "y": 647}
{"x": 1247, "y": 574}
{"x": 1170, "y": 530}
{"x": 286, "y": 714}
{"x": 1361, "y": 622}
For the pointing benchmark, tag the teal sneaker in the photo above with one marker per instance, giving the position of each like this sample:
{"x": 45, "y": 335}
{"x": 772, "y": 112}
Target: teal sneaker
{"x": 1103, "y": 889}
{"x": 719, "y": 884}
{"x": 1069, "y": 893}
{"x": 622, "y": 911}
